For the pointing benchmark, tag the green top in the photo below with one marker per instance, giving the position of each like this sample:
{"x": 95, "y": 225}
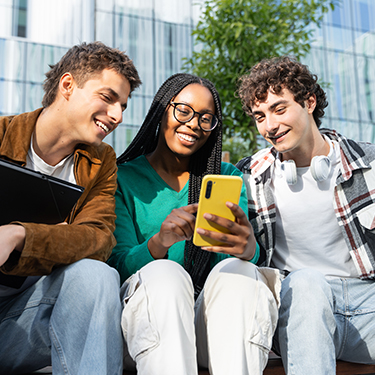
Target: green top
{"x": 143, "y": 201}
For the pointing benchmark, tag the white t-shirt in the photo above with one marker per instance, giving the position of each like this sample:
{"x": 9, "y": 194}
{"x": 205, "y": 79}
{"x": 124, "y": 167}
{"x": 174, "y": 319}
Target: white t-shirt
{"x": 63, "y": 170}
{"x": 307, "y": 231}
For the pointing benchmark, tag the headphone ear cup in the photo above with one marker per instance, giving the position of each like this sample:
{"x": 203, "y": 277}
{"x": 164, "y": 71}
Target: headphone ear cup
{"x": 290, "y": 170}
{"x": 320, "y": 167}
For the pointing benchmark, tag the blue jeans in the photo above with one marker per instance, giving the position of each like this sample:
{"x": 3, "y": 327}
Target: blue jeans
{"x": 69, "y": 319}
{"x": 321, "y": 320}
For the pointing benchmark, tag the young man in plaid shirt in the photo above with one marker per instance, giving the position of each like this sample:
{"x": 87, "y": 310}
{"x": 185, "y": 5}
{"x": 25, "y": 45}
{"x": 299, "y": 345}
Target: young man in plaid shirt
{"x": 311, "y": 200}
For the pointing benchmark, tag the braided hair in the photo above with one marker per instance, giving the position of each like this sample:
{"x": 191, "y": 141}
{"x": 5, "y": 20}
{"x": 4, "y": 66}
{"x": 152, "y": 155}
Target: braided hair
{"x": 207, "y": 160}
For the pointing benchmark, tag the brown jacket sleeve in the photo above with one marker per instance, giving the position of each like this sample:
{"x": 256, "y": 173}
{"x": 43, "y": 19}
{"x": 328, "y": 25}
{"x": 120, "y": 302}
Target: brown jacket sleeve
{"x": 89, "y": 232}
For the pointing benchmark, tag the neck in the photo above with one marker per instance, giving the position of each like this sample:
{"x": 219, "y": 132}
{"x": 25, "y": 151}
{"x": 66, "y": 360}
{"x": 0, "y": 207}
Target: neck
{"x": 302, "y": 156}
{"x": 174, "y": 166}
{"x": 50, "y": 141}
{"x": 173, "y": 170}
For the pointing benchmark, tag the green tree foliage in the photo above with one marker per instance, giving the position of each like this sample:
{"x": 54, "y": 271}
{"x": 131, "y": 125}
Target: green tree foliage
{"x": 233, "y": 35}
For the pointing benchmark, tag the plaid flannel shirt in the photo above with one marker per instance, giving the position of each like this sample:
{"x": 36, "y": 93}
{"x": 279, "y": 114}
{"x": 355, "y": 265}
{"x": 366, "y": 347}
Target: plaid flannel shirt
{"x": 353, "y": 200}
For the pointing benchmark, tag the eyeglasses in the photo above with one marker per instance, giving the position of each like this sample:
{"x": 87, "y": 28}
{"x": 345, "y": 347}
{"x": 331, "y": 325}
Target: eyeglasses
{"x": 184, "y": 113}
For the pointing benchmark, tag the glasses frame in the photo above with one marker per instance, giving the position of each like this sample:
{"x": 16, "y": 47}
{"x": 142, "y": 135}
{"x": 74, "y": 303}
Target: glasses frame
{"x": 173, "y": 104}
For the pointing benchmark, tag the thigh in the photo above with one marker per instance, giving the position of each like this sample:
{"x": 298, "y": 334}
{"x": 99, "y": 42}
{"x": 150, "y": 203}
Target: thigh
{"x": 158, "y": 310}
{"x": 236, "y": 313}
{"x": 355, "y": 316}
{"x": 24, "y": 329}
{"x": 306, "y": 322}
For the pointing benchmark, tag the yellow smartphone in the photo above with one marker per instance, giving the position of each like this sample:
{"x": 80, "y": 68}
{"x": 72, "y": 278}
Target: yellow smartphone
{"x": 216, "y": 190}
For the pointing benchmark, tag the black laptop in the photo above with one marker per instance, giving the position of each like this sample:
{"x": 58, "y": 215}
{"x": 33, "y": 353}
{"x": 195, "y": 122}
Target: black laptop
{"x": 30, "y": 196}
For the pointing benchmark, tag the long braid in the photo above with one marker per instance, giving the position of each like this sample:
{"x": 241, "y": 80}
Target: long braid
{"x": 206, "y": 160}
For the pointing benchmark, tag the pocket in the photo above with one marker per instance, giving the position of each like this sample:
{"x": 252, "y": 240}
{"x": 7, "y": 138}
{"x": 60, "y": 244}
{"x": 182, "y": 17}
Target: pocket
{"x": 266, "y": 311}
{"x": 136, "y": 321}
{"x": 366, "y": 217}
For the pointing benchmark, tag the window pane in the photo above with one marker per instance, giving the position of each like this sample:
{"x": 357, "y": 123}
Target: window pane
{"x": 11, "y": 97}
{"x": 34, "y": 96}
{"x": 142, "y": 8}
{"x": 104, "y": 27}
{"x": 14, "y": 67}
{"x": 39, "y": 58}
{"x": 173, "y": 11}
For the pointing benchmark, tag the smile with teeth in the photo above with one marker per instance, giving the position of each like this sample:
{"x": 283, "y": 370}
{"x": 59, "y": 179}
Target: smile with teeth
{"x": 186, "y": 137}
{"x": 102, "y": 126}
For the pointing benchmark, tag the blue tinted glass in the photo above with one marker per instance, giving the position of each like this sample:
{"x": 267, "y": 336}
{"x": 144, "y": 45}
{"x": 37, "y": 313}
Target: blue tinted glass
{"x": 364, "y": 17}
{"x": 336, "y": 16}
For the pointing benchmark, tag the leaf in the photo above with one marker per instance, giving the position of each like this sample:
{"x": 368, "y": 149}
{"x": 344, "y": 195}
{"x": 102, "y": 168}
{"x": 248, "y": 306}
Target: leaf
{"x": 232, "y": 36}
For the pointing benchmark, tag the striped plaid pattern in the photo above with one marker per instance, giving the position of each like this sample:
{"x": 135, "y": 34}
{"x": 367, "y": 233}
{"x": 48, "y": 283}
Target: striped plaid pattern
{"x": 354, "y": 200}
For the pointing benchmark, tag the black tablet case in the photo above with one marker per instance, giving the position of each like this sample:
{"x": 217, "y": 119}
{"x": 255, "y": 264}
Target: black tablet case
{"x": 30, "y": 196}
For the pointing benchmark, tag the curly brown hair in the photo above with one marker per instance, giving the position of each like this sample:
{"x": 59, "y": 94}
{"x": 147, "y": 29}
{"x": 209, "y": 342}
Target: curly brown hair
{"x": 277, "y": 74}
{"x": 84, "y": 61}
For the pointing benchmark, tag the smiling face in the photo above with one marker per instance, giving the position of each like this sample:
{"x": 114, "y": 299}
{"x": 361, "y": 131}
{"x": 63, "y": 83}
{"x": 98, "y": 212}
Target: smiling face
{"x": 285, "y": 124}
{"x": 95, "y": 110}
{"x": 185, "y": 139}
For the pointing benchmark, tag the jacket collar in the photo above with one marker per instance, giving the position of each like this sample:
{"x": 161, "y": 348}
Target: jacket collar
{"x": 17, "y": 138}
{"x": 16, "y": 142}
{"x": 262, "y": 160}
{"x": 352, "y": 156}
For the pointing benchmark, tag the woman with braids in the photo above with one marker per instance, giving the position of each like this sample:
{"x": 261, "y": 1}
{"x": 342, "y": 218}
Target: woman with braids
{"x": 229, "y": 324}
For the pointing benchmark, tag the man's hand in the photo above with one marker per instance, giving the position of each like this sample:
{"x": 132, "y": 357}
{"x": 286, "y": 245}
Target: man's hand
{"x": 12, "y": 237}
{"x": 240, "y": 241}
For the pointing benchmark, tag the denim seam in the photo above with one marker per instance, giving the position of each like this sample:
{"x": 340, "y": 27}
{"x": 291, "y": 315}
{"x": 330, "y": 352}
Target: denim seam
{"x": 29, "y": 305}
{"x": 59, "y": 350}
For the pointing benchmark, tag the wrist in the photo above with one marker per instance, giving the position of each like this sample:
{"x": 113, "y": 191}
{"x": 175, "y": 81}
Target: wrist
{"x": 19, "y": 237}
{"x": 156, "y": 248}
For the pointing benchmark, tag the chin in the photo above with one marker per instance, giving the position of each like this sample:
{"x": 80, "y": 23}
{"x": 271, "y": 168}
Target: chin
{"x": 95, "y": 142}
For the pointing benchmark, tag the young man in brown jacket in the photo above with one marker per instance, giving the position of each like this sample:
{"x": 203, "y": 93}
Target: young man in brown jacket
{"x": 59, "y": 301}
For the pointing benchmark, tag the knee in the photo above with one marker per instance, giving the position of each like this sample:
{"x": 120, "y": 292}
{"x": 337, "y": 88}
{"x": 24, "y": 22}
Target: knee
{"x": 306, "y": 287}
{"x": 167, "y": 278}
{"x": 304, "y": 281}
{"x": 91, "y": 278}
{"x": 232, "y": 279}
{"x": 237, "y": 291}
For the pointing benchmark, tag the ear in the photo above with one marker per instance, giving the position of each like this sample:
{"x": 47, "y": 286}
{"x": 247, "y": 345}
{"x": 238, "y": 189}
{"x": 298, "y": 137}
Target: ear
{"x": 311, "y": 104}
{"x": 66, "y": 85}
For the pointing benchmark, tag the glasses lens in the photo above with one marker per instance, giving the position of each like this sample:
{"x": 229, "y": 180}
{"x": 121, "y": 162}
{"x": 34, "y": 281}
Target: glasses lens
{"x": 183, "y": 112}
{"x": 208, "y": 121}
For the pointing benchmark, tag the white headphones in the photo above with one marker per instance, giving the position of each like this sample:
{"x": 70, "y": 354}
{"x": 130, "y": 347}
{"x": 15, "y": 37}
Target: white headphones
{"x": 319, "y": 168}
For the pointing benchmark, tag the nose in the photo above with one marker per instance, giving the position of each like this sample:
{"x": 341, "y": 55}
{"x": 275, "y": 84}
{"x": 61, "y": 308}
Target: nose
{"x": 115, "y": 113}
{"x": 194, "y": 121}
{"x": 271, "y": 125}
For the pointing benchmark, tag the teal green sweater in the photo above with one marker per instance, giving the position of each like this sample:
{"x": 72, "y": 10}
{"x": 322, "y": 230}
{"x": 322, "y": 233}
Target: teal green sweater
{"x": 143, "y": 201}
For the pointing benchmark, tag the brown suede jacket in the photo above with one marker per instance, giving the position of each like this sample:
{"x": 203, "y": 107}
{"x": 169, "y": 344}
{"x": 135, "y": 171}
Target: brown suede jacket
{"x": 89, "y": 233}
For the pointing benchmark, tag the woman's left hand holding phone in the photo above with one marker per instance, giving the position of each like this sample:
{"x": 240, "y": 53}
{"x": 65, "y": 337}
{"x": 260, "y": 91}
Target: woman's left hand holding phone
{"x": 177, "y": 226}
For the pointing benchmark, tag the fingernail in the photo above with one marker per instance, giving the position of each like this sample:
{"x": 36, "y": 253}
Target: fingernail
{"x": 200, "y": 230}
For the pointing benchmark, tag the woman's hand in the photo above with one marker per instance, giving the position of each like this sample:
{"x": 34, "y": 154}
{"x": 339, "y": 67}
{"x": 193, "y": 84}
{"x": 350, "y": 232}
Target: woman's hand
{"x": 177, "y": 226}
{"x": 239, "y": 242}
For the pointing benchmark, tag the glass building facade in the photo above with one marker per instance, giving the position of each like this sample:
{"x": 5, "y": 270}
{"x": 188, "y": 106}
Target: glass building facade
{"x": 343, "y": 57}
{"x": 156, "y": 34}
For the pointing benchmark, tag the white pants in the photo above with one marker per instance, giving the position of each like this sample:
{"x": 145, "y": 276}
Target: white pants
{"x": 229, "y": 328}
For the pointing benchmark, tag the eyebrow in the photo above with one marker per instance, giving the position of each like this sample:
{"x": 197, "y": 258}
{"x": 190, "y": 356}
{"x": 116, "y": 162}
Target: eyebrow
{"x": 204, "y": 111}
{"x": 272, "y": 107}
